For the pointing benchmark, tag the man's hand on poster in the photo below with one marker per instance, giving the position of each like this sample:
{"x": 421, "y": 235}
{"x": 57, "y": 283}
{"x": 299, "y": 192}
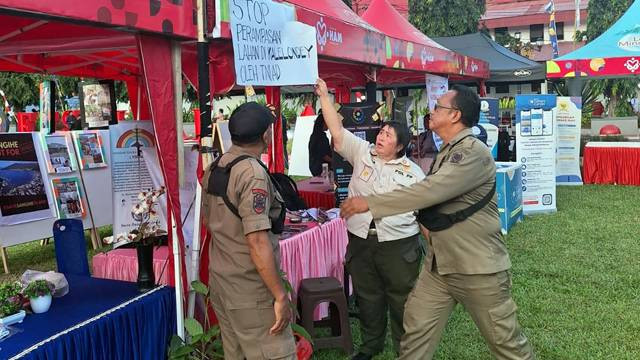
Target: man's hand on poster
{"x": 321, "y": 88}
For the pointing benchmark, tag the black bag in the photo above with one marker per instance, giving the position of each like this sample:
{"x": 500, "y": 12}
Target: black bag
{"x": 289, "y": 192}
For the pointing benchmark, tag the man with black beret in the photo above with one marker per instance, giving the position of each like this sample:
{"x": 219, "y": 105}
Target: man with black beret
{"x": 247, "y": 293}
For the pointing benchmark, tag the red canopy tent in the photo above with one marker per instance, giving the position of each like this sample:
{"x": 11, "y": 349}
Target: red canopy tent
{"x": 114, "y": 40}
{"x": 408, "y": 48}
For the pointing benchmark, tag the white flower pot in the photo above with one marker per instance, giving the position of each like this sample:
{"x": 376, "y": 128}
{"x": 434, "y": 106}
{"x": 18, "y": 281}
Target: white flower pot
{"x": 40, "y": 304}
{"x": 12, "y": 319}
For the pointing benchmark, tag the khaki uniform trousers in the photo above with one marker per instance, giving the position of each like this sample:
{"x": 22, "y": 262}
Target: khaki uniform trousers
{"x": 487, "y": 298}
{"x": 245, "y": 333}
{"x": 383, "y": 274}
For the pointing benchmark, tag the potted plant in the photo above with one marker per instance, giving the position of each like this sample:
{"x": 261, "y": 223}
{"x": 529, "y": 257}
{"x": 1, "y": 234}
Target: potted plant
{"x": 144, "y": 237}
{"x": 39, "y": 294}
{"x": 11, "y": 303}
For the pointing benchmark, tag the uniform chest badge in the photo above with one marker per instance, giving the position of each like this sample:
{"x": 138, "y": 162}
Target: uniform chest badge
{"x": 366, "y": 173}
{"x": 259, "y": 200}
{"x": 456, "y": 158}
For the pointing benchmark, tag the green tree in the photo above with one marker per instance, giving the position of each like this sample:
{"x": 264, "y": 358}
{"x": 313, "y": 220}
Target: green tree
{"x": 446, "y": 17}
{"x": 603, "y": 14}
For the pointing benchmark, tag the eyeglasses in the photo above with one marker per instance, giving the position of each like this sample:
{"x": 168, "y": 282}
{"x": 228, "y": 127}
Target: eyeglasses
{"x": 438, "y": 106}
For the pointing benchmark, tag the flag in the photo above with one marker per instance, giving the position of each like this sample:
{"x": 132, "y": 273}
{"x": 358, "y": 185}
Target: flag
{"x": 551, "y": 9}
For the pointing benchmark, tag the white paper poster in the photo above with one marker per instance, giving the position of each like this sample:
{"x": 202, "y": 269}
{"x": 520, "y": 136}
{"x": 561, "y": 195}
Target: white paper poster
{"x": 269, "y": 47}
{"x": 187, "y": 190}
{"x": 299, "y": 161}
{"x": 436, "y": 87}
{"x": 569, "y": 119}
{"x": 536, "y": 151}
{"x": 130, "y": 175}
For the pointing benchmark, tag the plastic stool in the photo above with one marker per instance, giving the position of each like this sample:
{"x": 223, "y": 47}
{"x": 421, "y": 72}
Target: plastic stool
{"x": 317, "y": 290}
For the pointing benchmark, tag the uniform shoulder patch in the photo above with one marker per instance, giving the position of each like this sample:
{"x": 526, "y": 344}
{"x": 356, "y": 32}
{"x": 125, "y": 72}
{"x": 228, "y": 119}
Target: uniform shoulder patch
{"x": 456, "y": 157}
{"x": 259, "y": 200}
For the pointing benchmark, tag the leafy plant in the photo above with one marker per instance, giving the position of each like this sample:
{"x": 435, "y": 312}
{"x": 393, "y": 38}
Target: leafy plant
{"x": 38, "y": 288}
{"x": 589, "y": 96}
{"x": 203, "y": 342}
{"x": 10, "y": 299}
{"x": 434, "y": 17}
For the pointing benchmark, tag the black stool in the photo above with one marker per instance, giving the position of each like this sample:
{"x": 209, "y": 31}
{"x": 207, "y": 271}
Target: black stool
{"x": 327, "y": 289}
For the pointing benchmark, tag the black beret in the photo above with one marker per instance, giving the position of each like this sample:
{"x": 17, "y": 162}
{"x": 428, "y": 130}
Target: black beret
{"x": 250, "y": 120}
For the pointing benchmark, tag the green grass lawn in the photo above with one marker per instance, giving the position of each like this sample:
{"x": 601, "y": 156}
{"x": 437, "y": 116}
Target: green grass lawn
{"x": 576, "y": 280}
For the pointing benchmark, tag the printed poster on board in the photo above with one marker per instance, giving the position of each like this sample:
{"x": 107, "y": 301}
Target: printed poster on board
{"x": 129, "y": 171}
{"x": 536, "y": 151}
{"x": 68, "y": 195}
{"x": 23, "y": 196}
{"x": 58, "y": 157}
{"x": 487, "y": 128}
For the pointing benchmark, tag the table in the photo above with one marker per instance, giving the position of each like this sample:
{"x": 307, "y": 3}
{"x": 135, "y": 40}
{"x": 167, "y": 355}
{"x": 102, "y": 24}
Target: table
{"x": 611, "y": 163}
{"x": 317, "y": 193}
{"x": 98, "y": 319}
{"x": 317, "y": 252}
{"x": 122, "y": 264}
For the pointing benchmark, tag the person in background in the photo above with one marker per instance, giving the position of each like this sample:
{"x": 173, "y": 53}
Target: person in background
{"x": 467, "y": 260}
{"x": 383, "y": 255}
{"x": 319, "y": 147}
{"x": 219, "y": 116}
{"x": 426, "y": 149}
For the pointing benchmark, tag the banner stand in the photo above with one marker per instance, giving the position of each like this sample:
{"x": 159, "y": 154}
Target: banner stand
{"x": 95, "y": 238}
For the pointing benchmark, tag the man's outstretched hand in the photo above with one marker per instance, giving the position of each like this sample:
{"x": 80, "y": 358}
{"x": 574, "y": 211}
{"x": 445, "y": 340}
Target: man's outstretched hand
{"x": 352, "y": 206}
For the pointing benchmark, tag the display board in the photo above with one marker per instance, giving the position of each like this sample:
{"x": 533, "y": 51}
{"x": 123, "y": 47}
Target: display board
{"x": 129, "y": 172}
{"x": 221, "y": 136}
{"x": 299, "y": 161}
{"x": 358, "y": 118}
{"x": 569, "y": 121}
{"x": 96, "y": 192}
{"x": 536, "y": 151}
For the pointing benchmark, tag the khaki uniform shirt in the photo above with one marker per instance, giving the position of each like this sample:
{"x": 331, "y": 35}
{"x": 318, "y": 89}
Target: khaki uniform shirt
{"x": 232, "y": 273}
{"x": 463, "y": 173}
{"x": 371, "y": 175}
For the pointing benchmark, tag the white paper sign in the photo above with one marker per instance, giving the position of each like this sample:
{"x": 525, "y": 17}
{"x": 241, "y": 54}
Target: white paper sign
{"x": 436, "y": 87}
{"x": 269, "y": 47}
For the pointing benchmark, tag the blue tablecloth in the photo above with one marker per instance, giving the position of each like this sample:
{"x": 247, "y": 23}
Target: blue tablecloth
{"x": 98, "y": 319}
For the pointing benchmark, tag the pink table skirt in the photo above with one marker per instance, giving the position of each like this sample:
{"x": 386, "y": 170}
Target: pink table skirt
{"x": 122, "y": 264}
{"x": 317, "y": 252}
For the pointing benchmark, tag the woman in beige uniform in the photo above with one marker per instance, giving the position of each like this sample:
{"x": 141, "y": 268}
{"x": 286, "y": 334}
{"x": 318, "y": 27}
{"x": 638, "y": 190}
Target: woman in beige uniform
{"x": 383, "y": 257}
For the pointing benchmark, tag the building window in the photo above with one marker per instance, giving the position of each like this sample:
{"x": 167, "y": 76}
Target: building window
{"x": 536, "y": 88}
{"x": 501, "y": 31}
{"x": 560, "y": 30}
{"x": 536, "y": 32}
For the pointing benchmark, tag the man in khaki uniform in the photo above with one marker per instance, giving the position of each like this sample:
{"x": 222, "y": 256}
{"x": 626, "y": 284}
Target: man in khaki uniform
{"x": 467, "y": 262}
{"x": 247, "y": 293}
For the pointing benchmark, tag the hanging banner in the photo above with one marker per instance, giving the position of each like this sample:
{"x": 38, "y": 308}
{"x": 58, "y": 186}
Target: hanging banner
{"x": 487, "y": 129}
{"x": 23, "y": 196}
{"x": 269, "y": 47}
{"x": 47, "y": 112}
{"x": 569, "y": 121}
{"x": 187, "y": 190}
{"x": 129, "y": 172}
{"x": 536, "y": 151}
{"x": 436, "y": 87}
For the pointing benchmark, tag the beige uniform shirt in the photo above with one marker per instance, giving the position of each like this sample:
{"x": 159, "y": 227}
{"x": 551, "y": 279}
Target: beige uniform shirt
{"x": 371, "y": 175}
{"x": 232, "y": 273}
{"x": 463, "y": 173}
